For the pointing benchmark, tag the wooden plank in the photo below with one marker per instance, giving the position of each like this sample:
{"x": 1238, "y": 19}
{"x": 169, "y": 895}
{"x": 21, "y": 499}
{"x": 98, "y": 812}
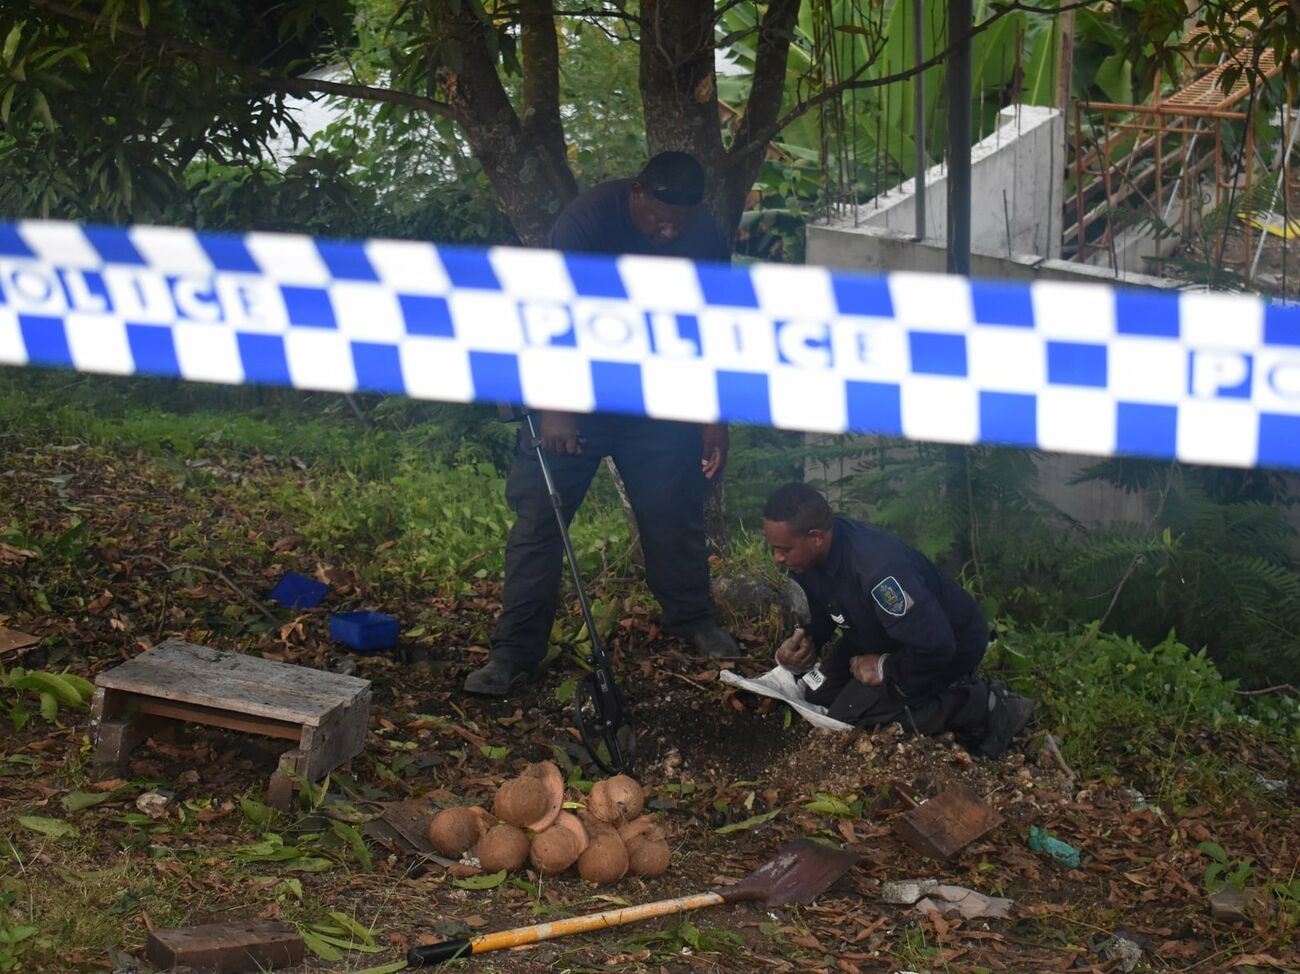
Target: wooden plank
{"x": 175, "y": 670}
{"x": 216, "y": 677}
{"x": 237, "y": 670}
{"x": 196, "y": 714}
{"x": 338, "y": 738}
{"x": 116, "y": 739}
{"x": 226, "y": 948}
{"x": 116, "y": 732}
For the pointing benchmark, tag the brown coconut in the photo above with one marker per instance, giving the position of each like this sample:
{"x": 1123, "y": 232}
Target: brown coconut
{"x": 453, "y": 830}
{"x": 643, "y": 826}
{"x": 647, "y": 856}
{"x": 552, "y": 779}
{"x": 605, "y": 860}
{"x": 504, "y": 846}
{"x": 556, "y": 849}
{"x": 616, "y": 799}
{"x": 521, "y": 801}
{"x": 594, "y": 825}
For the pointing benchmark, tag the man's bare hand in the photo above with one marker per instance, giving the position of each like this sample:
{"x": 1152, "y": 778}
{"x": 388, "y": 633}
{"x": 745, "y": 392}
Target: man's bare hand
{"x": 559, "y": 432}
{"x": 866, "y": 669}
{"x": 797, "y": 653}
{"x": 716, "y": 443}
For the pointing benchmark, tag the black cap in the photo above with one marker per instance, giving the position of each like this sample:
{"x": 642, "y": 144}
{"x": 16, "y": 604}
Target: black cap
{"x": 673, "y": 177}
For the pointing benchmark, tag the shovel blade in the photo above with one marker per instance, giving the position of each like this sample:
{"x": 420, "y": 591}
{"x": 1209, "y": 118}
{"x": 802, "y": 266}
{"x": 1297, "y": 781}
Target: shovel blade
{"x": 800, "y": 872}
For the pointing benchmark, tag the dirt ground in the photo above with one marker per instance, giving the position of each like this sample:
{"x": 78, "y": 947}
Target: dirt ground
{"x": 710, "y": 757}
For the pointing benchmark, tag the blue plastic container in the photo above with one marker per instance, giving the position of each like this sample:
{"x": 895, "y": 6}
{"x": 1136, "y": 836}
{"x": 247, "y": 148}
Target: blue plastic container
{"x": 295, "y": 591}
{"x": 364, "y": 631}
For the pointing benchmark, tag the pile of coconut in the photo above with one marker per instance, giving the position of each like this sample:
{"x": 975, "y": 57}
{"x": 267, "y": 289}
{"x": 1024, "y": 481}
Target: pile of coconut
{"x": 607, "y": 839}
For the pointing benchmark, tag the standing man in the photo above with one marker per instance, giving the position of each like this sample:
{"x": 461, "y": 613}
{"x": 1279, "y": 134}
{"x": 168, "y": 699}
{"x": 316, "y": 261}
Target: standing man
{"x": 666, "y": 466}
{"x": 910, "y": 638}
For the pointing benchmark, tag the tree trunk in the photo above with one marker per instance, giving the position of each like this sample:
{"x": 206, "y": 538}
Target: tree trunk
{"x": 525, "y": 160}
{"x": 679, "y": 94}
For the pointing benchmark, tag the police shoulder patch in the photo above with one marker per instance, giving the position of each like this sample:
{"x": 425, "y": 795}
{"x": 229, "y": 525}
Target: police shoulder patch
{"x": 889, "y": 595}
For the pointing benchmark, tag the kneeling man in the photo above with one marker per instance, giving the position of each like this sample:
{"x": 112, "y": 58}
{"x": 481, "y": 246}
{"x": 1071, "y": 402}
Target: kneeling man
{"x": 910, "y": 638}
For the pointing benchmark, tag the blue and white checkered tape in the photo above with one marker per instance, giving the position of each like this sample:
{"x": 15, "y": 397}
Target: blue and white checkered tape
{"x": 1081, "y": 368}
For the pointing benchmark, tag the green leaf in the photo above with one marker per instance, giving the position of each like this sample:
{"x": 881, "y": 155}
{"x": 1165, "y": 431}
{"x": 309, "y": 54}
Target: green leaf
{"x": 11, "y": 42}
{"x": 358, "y": 931}
{"x": 55, "y": 828}
{"x": 19, "y": 714}
{"x": 828, "y": 805}
{"x": 347, "y": 943}
{"x": 530, "y": 888}
{"x": 49, "y": 707}
{"x": 489, "y": 881}
{"x": 1214, "y": 851}
{"x": 1115, "y": 78}
{"x": 392, "y": 968}
{"x": 492, "y": 752}
{"x": 42, "y": 107}
{"x": 75, "y": 801}
{"x": 355, "y": 841}
{"x": 257, "y": 813}
{"x": 319, "y": 946}
{"x": 11, "y": 935}
{"x": 748, "y": 823}
{"x": 56, "y": 684}
{"x": 309, "y": 864}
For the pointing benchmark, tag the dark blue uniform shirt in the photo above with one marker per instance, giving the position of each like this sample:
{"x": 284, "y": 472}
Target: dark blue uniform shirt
{"x": 886, "y": 597}
{"x": 598, "y": 222}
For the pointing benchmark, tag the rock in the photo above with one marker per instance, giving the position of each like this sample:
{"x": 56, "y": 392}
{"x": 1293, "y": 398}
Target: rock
{"x": 743, "y": 598}
{"x": 152, "y": 803}
{"x": 1232, "y": 905}
{"x": 905, "y": 892}
{"x": 1277, "y": 786}
{"x": 1124, "y": 952}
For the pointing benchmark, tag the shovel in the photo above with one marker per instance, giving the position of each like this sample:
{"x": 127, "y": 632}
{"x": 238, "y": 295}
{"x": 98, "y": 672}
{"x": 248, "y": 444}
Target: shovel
{"x": 940, "y": 827}
{"x": 799, "y": 872}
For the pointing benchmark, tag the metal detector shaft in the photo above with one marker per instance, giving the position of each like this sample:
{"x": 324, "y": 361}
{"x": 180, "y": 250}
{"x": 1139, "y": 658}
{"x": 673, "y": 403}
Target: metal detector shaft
{"x": 605, "y": 698}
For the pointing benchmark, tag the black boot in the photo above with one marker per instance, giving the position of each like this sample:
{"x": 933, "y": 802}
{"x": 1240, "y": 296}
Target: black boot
{"x": 499, "y": 677}
{"x": 1008, "y": 717}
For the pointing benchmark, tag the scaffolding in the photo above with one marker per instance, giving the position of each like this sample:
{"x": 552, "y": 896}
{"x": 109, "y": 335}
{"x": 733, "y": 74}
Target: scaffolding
{"x": 1159, "y": 169}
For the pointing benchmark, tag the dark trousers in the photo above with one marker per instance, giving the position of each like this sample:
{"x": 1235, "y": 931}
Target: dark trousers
{"x": 659, "y": 462}
{"x": 962, "y": 707}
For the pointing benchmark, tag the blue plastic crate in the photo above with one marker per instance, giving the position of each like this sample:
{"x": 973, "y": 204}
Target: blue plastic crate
{"x": 364, "y": 631}
{"x": 295, "y": 591}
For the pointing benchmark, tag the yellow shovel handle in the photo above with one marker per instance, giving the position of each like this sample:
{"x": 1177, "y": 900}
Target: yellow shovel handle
{"x": 436, "y": 953}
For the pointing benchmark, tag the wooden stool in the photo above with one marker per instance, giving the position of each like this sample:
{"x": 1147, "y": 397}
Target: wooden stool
{"x": 324, "y": 714}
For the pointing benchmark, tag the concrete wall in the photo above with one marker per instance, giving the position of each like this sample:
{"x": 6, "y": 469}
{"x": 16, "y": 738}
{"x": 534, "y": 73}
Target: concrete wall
{"x": 867, "y": 248}
{"x": 1017, "y": 176}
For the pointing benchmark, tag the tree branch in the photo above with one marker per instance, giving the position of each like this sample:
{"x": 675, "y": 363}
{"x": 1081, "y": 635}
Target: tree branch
{"x": 303, "y": 87}
{"x": 769, "y": 69}
{"x": 598, "y": 14}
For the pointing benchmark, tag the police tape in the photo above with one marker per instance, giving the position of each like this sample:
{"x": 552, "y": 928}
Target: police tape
{"x": 1079, "y": 368}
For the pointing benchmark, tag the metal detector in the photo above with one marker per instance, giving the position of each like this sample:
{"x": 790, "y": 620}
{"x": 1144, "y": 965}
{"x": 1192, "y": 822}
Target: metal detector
{"x": 599, "y": 709}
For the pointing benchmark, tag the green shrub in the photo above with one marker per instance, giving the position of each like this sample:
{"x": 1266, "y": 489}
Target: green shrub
{"x": 1138, "y": 712}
